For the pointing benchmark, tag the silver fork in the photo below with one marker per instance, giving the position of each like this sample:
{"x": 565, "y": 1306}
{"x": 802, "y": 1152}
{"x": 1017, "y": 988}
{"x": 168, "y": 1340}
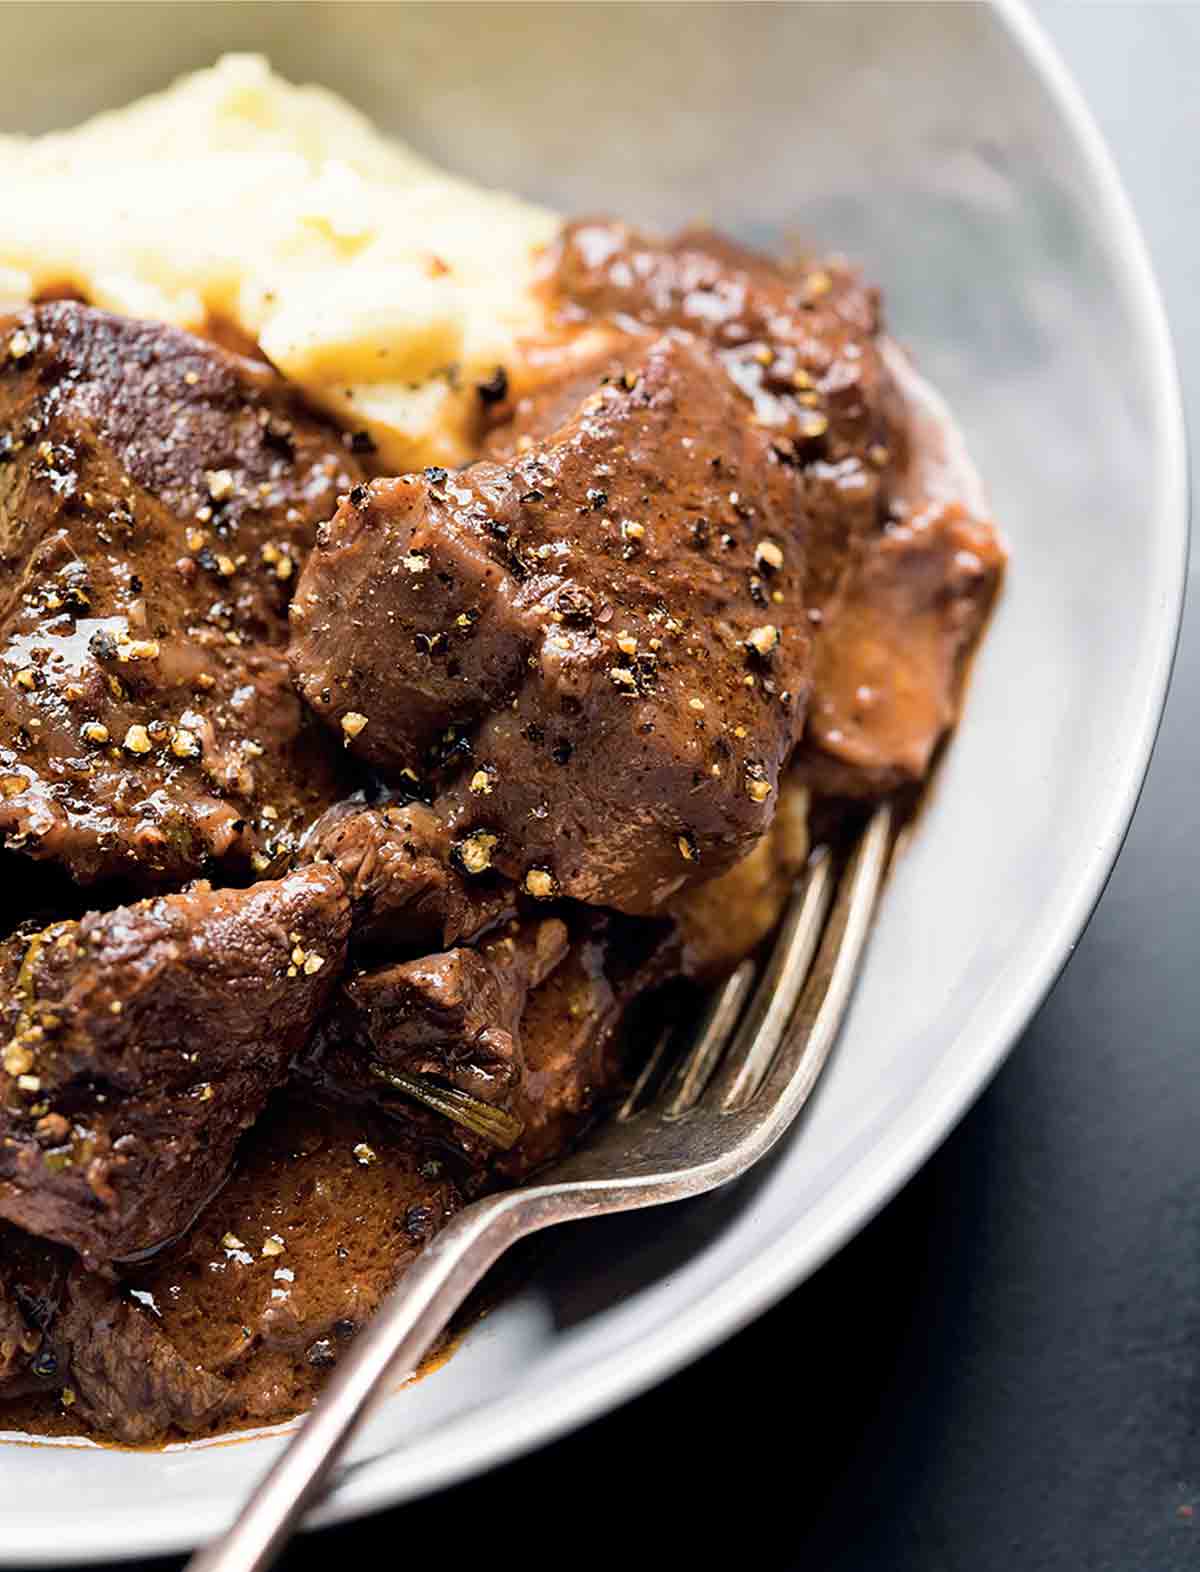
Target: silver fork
{"x": 686, "y": 1127}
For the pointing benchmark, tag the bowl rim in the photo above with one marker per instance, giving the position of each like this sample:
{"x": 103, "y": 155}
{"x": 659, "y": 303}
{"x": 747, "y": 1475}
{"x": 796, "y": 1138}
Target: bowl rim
{"x": 520, "y": 1422}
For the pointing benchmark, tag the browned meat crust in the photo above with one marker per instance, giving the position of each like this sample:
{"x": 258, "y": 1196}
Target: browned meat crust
{"x": 126, "y": 1379}
{"x": 407, "y": 895}
{"x": 454, "y": 1015}
{"x": 326, "y": 1209}
{"x": 889, "y": 665}
{"x": 595, "y": 624}
{"x": 157, "y": 497}
{"x": 801, "y": 342}
{"x": 143, "y": 1041}
{"x": 900, "y": 577}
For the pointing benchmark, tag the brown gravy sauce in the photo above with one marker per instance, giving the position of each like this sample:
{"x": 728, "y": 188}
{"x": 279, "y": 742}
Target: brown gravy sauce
{"x": 326, "y": 1209}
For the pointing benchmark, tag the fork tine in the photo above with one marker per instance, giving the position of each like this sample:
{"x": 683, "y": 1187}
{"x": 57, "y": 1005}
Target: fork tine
{"x": 646, "y": 1075}
{"x": 826, "y": 995}
{"x": 775, "y": 998}
{"x": 724, "y": 1009}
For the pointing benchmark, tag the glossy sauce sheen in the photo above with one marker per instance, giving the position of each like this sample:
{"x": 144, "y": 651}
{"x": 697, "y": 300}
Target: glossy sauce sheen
{"x": 720, "y": 557}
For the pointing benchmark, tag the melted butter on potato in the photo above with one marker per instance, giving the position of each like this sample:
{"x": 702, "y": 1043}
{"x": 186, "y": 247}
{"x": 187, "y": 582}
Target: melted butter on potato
{"x": 381, "y": 285}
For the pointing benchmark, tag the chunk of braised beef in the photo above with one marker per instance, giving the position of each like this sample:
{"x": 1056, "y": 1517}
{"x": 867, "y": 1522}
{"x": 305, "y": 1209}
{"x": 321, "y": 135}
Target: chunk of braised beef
{"x": 158, "y": 498}
{"x": 575, "y": 1034}
{"x": 620, "y": 705}
{"x": 238, "y": 1321}
{"x": 800, "y": 340}
{"x": 143, "y": 1041}
{"x": 126, "y": 1378}
{"x": 267, "y": 1289}
{"x": 408, "y": 896}
{"x": 891, "y": 655}
{"x": 889, "y": 670}
{"x": 552, "y": 995}
{"x": 454, "y": 1016}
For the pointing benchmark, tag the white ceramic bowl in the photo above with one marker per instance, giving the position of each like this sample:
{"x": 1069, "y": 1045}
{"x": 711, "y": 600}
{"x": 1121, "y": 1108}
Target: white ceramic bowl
{"x": 946, "y": 148}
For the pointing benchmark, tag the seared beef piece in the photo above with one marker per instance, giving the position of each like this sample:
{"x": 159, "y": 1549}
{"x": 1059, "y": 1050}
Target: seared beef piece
{"x": 606, "y": 638}
{"x": 157, "y": 496}
{"x": 900, "y": 579}
{"x": 572, "y": 1034}
{"x": 889, "y": 668}
{"x": 324, "y": 1211}
{"x": 143, "y": 1041}
{"x": 528, "y": 1022}
{"x": 563, "y": 1012}
{"x": 454, "y": 1016}
{"x": 32, "y": 1277}
{"x": 129, "y": 1382}
{"x": 801, "y": 341}
{"x": 890, "y": 657}
{"x": 395, "y": 859}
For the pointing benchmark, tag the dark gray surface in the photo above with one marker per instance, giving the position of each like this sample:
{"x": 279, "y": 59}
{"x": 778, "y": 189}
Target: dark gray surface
{"x": 1003, "y": 1371}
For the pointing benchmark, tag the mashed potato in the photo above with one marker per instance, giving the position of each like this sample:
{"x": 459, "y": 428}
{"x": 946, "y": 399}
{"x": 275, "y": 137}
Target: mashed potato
{"x": 381, "y": 285}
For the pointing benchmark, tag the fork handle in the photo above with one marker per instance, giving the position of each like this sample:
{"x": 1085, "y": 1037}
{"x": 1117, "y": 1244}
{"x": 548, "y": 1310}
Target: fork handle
{"x": 398, "y": 1338}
